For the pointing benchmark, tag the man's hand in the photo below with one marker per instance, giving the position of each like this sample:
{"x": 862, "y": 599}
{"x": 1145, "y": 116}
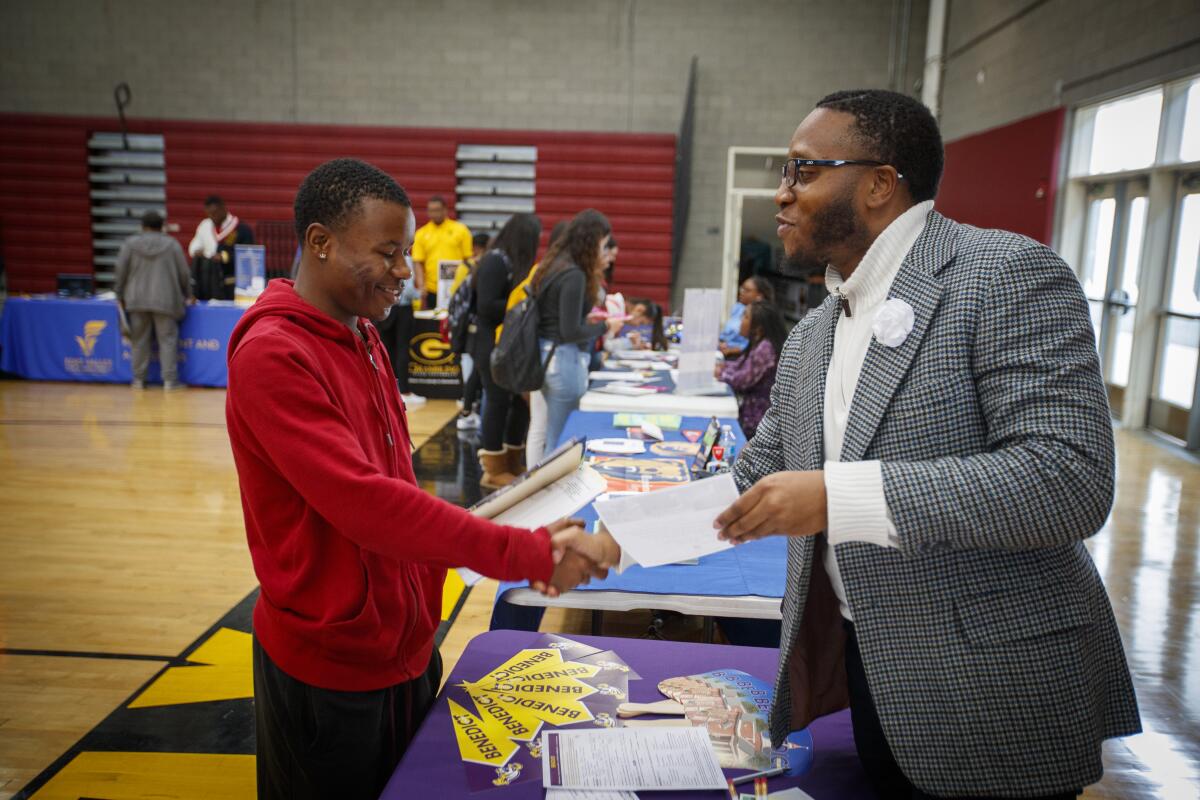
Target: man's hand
{"x": 787, "y": 503}
{"x": 578, "y": 556}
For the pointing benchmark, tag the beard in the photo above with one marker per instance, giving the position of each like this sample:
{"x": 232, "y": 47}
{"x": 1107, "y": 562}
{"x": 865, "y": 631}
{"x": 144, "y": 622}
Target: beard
{"x": 834, "y": 227}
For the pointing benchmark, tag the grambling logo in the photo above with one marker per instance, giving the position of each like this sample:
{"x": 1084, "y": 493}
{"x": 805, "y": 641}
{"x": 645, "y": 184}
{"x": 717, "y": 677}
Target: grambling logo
{"x": 428, "y": 348}
{"x": 91, "y": 333}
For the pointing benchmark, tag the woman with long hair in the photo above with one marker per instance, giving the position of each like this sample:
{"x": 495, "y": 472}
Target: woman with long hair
{"x": 505, "y": 419}
{"x": 567, "y": 286}
{"x": 752, "y": 374}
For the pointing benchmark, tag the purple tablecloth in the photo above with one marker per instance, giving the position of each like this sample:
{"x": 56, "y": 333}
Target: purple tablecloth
{"x": 431, "y": 767}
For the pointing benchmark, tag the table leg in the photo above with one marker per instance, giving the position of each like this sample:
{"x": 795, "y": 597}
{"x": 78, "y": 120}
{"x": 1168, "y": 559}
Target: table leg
{"x": 597, "y": 622}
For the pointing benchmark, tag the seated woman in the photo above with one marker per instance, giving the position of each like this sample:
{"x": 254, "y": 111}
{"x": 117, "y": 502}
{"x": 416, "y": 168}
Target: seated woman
{"x": 752, "y": 374}
{"x": 643, "y": 329}
{"x": 731, "y": 342}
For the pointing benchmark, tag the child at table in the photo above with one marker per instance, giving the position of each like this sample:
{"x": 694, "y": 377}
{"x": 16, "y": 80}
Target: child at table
{"x": 643, "y": 330}
{"x": 752, "y": 374}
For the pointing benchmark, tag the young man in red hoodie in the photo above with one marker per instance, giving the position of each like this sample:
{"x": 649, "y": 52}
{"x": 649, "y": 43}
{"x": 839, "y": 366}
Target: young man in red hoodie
{"x": 351, "y": 555}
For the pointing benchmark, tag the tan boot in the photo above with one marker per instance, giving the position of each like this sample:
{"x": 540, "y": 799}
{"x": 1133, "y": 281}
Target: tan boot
{"x": 516, "y": 458}
{"x": 495, "y": 469}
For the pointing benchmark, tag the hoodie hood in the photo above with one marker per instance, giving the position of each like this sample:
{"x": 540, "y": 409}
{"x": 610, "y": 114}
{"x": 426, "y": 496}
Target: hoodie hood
{"x": 280, "y": 300}
{"x": 150, "y": 244}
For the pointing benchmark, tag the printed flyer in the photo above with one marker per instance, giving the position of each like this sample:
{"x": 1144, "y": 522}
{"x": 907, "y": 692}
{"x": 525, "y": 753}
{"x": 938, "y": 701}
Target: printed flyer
{"x": 559, "y": 683}
{"x": 735, "y": 709}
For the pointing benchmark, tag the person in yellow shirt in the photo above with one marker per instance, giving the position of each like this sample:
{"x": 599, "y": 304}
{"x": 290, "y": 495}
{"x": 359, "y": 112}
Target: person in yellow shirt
{"x": 440, "y": 239}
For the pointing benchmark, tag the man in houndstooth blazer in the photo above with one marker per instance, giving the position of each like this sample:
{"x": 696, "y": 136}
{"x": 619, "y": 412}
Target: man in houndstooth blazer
{"x": 992, "y": 662}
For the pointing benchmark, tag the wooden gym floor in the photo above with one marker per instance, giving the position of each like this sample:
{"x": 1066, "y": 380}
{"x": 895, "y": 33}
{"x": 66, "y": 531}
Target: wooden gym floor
{"x": 123, "y": 569}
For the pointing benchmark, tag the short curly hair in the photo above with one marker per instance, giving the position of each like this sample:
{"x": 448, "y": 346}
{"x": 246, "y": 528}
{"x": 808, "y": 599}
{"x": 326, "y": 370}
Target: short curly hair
{"x": 333, "y": 192}
{"x": 898, "y": 130}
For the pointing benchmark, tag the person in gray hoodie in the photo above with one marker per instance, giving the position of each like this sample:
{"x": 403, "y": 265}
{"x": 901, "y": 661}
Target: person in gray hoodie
{"x": 153, "y": 287}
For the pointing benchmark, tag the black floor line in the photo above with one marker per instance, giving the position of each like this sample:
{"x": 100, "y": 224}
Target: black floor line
{"x": 447, "y": 458}
{"x": 20, "y": 651}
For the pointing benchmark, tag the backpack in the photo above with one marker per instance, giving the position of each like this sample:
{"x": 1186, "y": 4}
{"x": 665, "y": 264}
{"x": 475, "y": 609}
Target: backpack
{"x": 517, "y": 363}
{"x": 461, "y": 313}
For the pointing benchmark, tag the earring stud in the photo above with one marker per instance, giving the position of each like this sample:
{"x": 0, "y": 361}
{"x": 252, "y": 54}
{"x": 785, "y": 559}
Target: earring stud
{"x": 321, "y": 256}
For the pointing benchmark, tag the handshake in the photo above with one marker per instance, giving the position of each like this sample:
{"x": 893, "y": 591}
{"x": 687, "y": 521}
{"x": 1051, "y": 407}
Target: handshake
{"x": 578, "y": 556}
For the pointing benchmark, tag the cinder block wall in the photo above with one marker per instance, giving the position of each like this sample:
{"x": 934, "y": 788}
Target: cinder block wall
{"x": 606, "y": 65}
{"x": 1011, "y": 59}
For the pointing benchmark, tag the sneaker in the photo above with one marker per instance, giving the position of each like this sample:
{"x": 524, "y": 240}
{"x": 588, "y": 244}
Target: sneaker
{"x": 468, "y": 422}
{"x": 412, "y": 400}
{"x": 172, "y": 386}
{"x": 139, "y": 385}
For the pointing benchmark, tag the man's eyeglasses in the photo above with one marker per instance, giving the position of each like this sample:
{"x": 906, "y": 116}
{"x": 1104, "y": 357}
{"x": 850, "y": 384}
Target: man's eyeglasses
{"x": 791, "y": 167}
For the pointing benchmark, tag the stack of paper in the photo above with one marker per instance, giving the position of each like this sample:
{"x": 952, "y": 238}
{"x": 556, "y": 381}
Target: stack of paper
{"x": 630, "y": 759}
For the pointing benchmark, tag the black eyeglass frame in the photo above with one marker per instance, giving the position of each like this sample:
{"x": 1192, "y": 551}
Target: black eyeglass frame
{"x": 796, "y": 163}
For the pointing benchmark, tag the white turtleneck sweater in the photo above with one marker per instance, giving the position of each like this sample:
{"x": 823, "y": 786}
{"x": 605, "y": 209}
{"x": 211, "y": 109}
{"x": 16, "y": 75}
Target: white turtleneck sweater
{"x": 856, "y": 506}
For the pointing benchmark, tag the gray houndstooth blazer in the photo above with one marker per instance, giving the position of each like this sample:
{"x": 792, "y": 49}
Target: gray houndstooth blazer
{"x": 987, "y": 639}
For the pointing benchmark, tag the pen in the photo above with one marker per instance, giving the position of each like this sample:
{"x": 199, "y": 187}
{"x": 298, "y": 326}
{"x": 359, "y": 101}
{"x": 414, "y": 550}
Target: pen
{"x": 732, "y": 791}
{"x": 766, "y": 773}
{"x": 760, "y": 789}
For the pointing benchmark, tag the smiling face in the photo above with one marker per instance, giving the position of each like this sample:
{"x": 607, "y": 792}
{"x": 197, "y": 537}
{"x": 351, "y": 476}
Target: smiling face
{"x": 820, "y": 218}
{"x": 365, "y": 264}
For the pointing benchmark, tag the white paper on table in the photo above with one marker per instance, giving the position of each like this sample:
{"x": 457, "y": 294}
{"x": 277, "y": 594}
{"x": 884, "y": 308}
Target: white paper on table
{"x": 616, "y": 375}
{"x": 661, "y": 759}
{"x": 625, "y": 388}
{"x": 561, "y": 498}
{"x": 619, "y": 446}
{"x": 588, "y": 794}
{"x": 652, "y": 430}
{"x": 670, "y": 525}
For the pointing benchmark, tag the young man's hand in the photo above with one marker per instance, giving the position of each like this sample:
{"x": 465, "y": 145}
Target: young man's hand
{"x": 578, "y": 556}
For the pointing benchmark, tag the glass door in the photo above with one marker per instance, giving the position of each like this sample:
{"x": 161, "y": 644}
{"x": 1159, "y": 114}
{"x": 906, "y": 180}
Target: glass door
{"x": 1116, "y": 227}
{"x": 1172, "y": 406}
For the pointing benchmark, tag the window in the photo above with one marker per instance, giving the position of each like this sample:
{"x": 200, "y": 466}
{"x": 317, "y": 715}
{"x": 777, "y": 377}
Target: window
{"x": 1119, "y": 135}
{"x": 1131, "y": 228}
{"x": 1189, "y": 144}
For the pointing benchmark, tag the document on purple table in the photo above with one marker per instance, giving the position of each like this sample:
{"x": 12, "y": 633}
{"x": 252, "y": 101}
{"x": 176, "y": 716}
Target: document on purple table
{"x": 630, "y": 759}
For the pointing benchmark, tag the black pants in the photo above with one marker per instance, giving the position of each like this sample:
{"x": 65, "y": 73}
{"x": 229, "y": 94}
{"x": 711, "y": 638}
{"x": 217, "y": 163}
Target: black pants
{"x": 317, "y": 743}
{"x": 396, "y": 331}
{"x": 505, "y": 418}
{"x": 472, "y": 390}
{"x": 873, "y": 750}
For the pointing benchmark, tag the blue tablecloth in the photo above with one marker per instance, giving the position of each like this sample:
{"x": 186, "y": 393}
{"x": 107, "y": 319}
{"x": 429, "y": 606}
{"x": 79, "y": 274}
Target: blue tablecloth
{"x": 757, "y": 568}
{"x": 55, "y": 339}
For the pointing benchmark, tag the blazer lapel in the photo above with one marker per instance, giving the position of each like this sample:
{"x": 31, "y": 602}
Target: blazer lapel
{"x": 885, "y": 367}
{"x": 816, "y": 365}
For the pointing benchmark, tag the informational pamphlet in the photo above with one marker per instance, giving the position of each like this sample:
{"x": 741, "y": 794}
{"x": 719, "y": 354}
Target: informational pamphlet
{"x": 630, "y": 759}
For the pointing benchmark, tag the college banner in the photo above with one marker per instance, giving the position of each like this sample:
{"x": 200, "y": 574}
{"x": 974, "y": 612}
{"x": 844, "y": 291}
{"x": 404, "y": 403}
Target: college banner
{"x": 53, "y": 339}
{"x": 433, "y": 368}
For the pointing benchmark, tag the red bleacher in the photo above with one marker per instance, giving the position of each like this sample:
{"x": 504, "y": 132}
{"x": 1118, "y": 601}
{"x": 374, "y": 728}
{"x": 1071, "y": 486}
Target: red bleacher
{"x": 45, "y": 209}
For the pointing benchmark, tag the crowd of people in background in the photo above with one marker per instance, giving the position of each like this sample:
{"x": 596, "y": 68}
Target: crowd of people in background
{"x": 581, "y": 318}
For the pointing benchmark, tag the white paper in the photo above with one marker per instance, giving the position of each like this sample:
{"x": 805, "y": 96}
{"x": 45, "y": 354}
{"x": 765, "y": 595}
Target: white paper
{"x": 625, "y": 388}
{"x": 616, "y": 375}
{"x": 652, "y": 430}
{"x": 701, "y": 328}
{"x": 617, "y": 446}
{"x": 560, "y": 499}
{"x": 588, "y": 794}
{"x": 563, "y": 497}
{"x": 670, "y": 525}
{"x": 661, "y": 759}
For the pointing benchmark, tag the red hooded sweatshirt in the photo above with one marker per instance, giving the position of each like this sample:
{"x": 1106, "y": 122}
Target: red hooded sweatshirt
{"x": 350, "y": 553}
